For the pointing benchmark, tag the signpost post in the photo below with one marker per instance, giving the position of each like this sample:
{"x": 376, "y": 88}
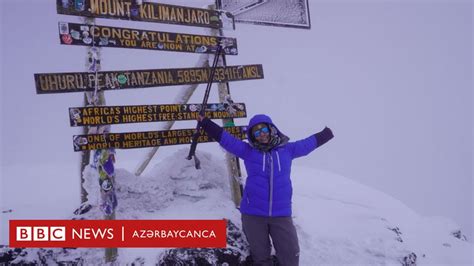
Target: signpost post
{"x": 233, "y": 163}
{"x": 94, "y": 98}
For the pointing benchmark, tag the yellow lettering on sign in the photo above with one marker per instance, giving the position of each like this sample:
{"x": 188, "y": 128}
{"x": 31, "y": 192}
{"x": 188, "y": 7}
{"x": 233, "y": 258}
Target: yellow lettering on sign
{"x": 95, "y": 138}
{"x": 141, "y": 143}
{"x": 165, "y": 77}
{"x": 98, "y": 146}
{"x": 251, "y": 72}
{"x": 170, "y": 108}
{"x": 61, "y": 82}
{"x": 203, "y": 138}
{"x": 193, "y": 16}
{"x": 114, "y": 137}
{"x": 144, "y": 36}
{"x": 166, "y": 116}
{"x": 219, "y": 74}
{"x": 189, "y": 116}
{"x": 143, "y": 13}
{"x": 89, "y": 120}
{"x": 172, "y": 14}
{"x": 153, "y": 135}
{"x": 170, "y": 141}
{"x": 165, "y": 13}
{"x": 147, "y": 44}
{"x": 95, "y": 7}
{"x": 183, "y": 140}
{"x": 173, "y": 46}
{"x": 180, "y": 15}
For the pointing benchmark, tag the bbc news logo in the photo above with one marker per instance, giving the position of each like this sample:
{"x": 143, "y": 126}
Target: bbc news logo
{"x": 118, "y": 233}
{"x": 58, "y": 233}
{"x": 41, "y": 233}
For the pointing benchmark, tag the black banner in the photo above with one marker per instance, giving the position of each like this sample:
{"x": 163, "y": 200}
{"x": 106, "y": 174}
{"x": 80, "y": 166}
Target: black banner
{"x": 105, "y": 36}
{"x": 133, "y": 140}
{"x": 128, "y": 79}
{"x": 147, "y": 11}
{"x": 106, "y": 115}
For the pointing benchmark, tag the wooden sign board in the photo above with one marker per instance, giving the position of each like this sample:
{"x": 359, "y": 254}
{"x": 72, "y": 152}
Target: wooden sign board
{"x": 105, "y": 36}
{"x": 146, "y": 11}
{"x": 133, "y": 140}
{"x": 131, "y": 79}
{"x": 106, "y": 115}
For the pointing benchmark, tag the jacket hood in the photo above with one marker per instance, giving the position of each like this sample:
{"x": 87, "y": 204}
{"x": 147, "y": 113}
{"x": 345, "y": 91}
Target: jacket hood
{"x": 261, "y": 118}
{"x": 257, "y": 119}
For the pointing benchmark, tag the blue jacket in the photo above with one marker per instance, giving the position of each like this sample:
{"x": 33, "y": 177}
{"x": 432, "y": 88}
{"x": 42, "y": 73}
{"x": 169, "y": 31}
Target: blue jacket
{"x": 268, "y": 190}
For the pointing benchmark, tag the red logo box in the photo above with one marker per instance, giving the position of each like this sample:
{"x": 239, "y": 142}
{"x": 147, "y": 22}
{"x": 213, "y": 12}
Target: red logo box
{"x": 118, "y": 233}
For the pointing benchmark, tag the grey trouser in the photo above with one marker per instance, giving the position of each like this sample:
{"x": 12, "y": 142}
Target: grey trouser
{"x": 259, "y": 229}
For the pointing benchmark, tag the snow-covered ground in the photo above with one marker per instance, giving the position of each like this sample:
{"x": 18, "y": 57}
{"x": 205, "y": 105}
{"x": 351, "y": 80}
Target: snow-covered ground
{"x": 339, "y": 221}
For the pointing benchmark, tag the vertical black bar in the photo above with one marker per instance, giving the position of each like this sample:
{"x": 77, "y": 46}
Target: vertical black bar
{"x": 192, "y": 150}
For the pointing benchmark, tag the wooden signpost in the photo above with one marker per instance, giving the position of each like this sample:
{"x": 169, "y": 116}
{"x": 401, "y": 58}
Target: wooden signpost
{"x": 95, "y": 116}
{"x": 233, "y": 163}
{"x": 94, "y": 98}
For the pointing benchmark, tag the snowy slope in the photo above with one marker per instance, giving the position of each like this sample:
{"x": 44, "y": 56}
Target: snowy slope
{"x": 342, "y": 222}
{"x": 339, "y": 221}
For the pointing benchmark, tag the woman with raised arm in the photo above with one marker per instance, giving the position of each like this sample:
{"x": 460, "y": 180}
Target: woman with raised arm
{"x": 266, "y": 201}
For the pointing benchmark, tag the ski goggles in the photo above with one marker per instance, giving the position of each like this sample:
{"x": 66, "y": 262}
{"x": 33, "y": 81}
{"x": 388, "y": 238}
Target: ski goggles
{"x": 258, "y": 132}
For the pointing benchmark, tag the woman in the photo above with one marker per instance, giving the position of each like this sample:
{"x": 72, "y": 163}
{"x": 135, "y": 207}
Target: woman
{"x": 266, "y": 201}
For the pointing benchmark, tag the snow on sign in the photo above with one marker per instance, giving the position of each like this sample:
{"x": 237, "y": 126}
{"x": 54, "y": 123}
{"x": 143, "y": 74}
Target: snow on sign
{"x": 106, "y": 115}
{"x": 132, "y": 140}
{"x": 283, "y": 13}
{"x": 105, "y": 36}
{"x": 146, "y": 11}
{"x": 130, "y": 79}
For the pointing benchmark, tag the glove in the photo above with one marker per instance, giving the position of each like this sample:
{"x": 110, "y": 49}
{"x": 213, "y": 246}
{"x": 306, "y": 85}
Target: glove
{"x": 211, "y": 128}
{"x": 324, "y": 136}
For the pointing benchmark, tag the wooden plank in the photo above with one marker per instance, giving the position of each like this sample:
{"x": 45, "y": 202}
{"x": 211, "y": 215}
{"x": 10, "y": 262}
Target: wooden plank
{"x": 146, "y": 12}
{"x": 47, "y": 83}
{"x": 133, "y": 140}
{"x": 107, "y": 115}
{"x": 115, "y": 37}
